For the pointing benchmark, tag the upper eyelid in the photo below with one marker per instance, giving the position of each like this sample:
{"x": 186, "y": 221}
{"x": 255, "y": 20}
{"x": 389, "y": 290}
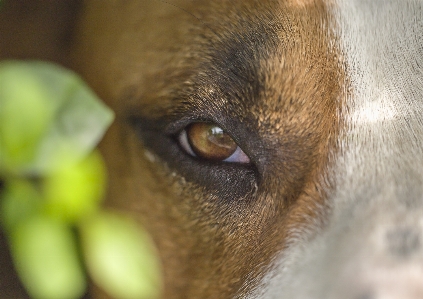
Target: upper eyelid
{"x": 176, "y": 127}
{"x": 186, "y": 115}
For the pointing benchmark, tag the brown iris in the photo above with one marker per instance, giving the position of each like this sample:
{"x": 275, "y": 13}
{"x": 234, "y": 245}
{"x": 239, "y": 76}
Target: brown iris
{"x": 209, "y": 141}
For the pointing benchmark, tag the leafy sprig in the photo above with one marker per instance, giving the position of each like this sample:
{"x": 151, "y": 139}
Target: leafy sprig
{"x": 54, "y": 181}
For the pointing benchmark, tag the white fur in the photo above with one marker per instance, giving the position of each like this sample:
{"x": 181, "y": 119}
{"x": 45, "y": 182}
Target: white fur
{"x": 378, "y": 173}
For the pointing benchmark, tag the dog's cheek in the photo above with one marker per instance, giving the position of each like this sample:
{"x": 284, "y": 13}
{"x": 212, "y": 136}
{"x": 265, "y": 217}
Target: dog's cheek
{"x": 200, "y": 238}
{"x": 141, "y": 187}
{"x": 174, "y": 211}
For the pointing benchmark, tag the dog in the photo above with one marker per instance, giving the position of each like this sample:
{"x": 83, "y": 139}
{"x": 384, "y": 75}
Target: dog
{"x": 272, "y": 148}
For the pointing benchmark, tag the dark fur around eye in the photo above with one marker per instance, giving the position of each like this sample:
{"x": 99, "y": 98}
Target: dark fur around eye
{"x": 226, "y": 181}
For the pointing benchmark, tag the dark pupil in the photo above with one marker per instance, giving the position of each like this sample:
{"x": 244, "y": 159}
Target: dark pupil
{"x": 209, "y": 141}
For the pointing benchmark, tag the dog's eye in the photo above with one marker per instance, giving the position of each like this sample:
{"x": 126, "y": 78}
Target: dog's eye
{"x": 210, "y": 142}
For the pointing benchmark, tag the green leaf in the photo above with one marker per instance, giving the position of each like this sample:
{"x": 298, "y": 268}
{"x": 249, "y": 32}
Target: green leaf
{"x": 19, "y": 201}
{"x": 24, "y": 116}
{"x": 121, "y": 258}
{"x": 53, "y": 113}
{"x": 45, "y": 256}
{"x": 74, "y": 192}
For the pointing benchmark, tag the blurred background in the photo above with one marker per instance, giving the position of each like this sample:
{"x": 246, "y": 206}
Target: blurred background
{"x": 36, "y": 29}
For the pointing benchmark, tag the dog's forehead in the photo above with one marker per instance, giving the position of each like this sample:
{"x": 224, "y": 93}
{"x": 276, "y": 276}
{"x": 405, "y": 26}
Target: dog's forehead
{"x": 378, "y": 175}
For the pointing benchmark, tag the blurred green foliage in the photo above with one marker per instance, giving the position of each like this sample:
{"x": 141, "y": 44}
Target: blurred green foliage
{"x": 54, "y": 182}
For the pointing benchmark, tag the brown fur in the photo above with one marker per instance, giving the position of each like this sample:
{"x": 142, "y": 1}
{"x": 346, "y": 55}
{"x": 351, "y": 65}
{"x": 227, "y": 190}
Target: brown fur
{"x": 157, "y": 61}
{"x": 144, "y": 56}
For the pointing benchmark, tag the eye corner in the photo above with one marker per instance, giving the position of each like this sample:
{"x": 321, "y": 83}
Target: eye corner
{"x": 239, "y": 156}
